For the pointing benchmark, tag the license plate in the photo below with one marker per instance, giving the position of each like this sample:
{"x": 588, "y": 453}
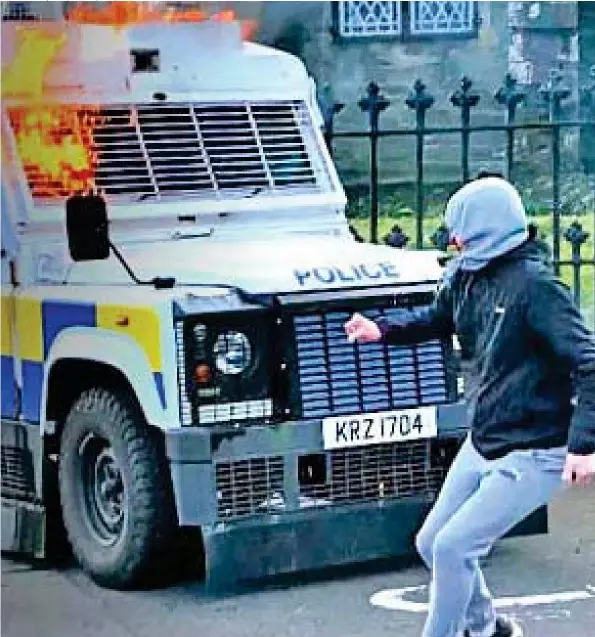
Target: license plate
{"x": 382, "y": 427}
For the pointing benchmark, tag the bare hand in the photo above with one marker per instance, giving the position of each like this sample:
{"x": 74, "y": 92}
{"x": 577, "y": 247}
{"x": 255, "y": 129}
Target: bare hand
{"x": 362, "y": 330}
{"x": 579, "y": 469}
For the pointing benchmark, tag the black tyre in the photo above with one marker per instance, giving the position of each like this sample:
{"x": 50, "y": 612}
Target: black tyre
{"x": 114, "y": 490}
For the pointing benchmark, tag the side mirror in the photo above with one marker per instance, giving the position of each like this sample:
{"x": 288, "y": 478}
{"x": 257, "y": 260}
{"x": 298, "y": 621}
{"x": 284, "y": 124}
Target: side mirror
{"x": 87, "y": 228}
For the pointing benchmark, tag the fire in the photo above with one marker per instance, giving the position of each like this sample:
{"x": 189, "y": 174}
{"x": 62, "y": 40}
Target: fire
{"x": 35, "y": 50}
{"x": 55, "y": 145}
{"x": 121, "y": 14}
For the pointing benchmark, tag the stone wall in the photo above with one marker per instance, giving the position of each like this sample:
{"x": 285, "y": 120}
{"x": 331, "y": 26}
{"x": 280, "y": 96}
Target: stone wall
{"x": 586, "y": 74}
{"x": 545, "y": 36}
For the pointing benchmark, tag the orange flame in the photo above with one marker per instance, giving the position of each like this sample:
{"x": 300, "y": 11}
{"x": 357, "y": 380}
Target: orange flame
{"x": 118, "y": 14}
{"x": 55, "y": 146}
{"x": 121, "y": 14}
{"x": 56, "y": 143}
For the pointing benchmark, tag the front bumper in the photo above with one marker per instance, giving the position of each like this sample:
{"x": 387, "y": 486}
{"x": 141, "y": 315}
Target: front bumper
{"x": 303, "y": 528}
{"x": 209, "y": 444}
{"x": 313, "y": 540}
{"x": 195, "y": 453}
{"x": 199, "y": 456}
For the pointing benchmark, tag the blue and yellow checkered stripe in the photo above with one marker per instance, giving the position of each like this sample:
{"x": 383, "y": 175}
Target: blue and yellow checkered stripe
{"x": 8, "y": 403}
{"x": 38, "y": 323}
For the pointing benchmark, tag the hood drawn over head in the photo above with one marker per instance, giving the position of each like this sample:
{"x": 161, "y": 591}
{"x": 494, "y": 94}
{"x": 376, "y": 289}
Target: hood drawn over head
{"x": 488, "y": 217}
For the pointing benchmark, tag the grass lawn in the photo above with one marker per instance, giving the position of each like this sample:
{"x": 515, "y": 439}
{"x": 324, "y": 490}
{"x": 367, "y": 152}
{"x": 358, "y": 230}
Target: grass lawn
{"x": 587, "y": 300}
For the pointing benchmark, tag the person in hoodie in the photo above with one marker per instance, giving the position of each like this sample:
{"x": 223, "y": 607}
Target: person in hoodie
{"x": 530, "y": 400}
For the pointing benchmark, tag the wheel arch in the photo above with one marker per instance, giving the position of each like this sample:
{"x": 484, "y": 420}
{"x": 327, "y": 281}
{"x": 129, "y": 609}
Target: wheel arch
{"x": 82, "y": 375}
{"x": 91, "y": 357}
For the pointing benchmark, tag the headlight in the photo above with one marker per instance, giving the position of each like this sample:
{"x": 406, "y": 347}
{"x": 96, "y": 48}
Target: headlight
{"x": 232, "y": 352}
{"x": 226, "y": 365}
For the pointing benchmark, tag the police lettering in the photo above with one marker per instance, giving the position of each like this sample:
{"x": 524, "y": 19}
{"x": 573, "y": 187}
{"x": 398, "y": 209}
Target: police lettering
{"x": 347, "y": 274}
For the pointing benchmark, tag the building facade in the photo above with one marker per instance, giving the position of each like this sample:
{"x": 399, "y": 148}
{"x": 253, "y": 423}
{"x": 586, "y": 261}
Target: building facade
{"x": 346, "y": 44}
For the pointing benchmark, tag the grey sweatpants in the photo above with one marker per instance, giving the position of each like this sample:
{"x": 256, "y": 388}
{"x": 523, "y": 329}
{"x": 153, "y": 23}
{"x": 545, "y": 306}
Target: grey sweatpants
{"x": 481, "y": 500}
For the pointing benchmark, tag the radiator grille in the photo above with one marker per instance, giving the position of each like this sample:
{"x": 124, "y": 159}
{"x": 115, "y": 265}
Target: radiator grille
{"x": 337, "y": 377}
{"x": 201, "y": 150}
{"x": 248, "y": 487}
{"x": 18, "y": 478}
{"x": 349, "y": 476}
{"x": 377, "y": 472}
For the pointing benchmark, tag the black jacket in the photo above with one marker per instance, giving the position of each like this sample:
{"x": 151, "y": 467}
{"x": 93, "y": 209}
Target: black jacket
{"x": 531, "y": 359}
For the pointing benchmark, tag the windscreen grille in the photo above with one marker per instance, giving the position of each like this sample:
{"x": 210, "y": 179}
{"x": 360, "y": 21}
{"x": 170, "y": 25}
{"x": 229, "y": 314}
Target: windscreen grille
{"x": 221, "y": 151}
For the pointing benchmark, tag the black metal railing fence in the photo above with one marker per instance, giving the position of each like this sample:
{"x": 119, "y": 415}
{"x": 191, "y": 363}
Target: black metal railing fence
{"x": 575, "y": 261}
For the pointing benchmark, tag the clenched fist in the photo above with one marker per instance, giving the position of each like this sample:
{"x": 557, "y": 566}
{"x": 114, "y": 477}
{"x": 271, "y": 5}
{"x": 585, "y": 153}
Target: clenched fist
{"x": 362, "y": 330}
{"x": 579, "y": 469}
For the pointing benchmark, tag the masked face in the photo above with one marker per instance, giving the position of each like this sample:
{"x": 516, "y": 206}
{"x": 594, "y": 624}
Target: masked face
{"x": 485, "y": 219}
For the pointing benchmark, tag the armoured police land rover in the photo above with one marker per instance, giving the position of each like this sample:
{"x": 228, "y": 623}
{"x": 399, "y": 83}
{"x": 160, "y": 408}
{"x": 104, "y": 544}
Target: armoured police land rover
{"x": 176, "y": 272}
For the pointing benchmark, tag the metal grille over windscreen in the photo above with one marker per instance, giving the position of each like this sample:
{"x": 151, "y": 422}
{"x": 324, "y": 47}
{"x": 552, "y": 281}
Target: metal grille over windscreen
{"x": 153, "y": 151}
{"x": 337, "y": 377}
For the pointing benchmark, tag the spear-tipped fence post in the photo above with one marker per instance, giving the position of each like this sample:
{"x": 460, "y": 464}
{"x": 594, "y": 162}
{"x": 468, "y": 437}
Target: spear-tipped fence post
{"x": 328, "y": 108}
{"x": 465, "y": 99}
{"x": 576, "y": 236}
{"x": 373, "y": 103}
{"x": 510, "y": 96}
{"x": 396, "y": 238}
{"x": 553, "y": 93}
{"x": 419, "y": 101}
{"x": 441, "y": 238}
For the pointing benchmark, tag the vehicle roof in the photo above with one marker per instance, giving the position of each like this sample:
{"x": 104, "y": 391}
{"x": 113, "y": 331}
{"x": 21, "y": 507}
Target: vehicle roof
{"x": 203, "y": 61}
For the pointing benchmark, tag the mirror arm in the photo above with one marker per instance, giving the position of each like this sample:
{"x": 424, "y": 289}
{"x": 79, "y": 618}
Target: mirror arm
{"x": 160, "y": 283}
{"x": 125, "y": 265}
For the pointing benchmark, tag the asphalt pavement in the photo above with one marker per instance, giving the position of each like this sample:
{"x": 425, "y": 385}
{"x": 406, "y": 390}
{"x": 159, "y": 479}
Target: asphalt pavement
{"x": 546, "y": 581}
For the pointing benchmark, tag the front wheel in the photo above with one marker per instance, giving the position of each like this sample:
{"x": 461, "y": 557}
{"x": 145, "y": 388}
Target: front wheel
{"x": 114, "y": 490}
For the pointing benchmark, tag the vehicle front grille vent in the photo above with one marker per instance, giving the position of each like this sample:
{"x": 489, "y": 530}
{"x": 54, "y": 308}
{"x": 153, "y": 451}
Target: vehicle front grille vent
{"x": 251, "y": 486}
{"x": 378, "y": 472}
{"x": 338, "y": 378}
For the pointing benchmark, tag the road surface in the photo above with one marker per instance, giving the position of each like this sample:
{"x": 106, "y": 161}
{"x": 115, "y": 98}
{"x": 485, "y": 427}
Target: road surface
{"x": 549, "y": 579}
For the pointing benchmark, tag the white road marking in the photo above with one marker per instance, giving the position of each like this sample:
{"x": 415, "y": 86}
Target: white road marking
{"x": 394, "y": 599}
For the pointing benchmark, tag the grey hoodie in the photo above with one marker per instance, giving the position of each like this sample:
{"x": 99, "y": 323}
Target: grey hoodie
{"x": 488, "y": 217}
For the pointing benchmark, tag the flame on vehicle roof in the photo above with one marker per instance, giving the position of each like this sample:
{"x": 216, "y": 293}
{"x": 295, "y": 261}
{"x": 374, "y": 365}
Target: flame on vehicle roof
{"x": 55, "y": 143}
{"x": 122, "y": 14}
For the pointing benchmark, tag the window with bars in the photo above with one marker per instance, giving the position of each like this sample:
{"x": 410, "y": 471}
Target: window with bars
{"x": 369, "y": 18}
{"x": 441, "y": 18}
{"x": 404, "y": 20}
